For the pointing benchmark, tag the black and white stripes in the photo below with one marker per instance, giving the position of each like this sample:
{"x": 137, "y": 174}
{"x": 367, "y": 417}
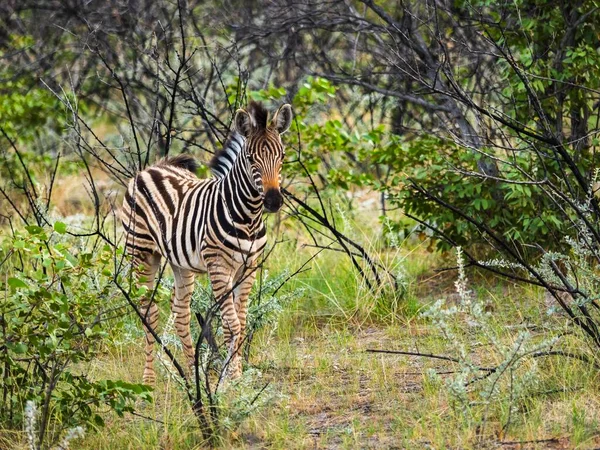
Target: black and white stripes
{"x": 213, "y": 225}
{"x": 223, "y": 161}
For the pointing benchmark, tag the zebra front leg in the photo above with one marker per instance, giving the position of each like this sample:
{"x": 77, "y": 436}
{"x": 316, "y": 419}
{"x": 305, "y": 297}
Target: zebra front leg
{"x": 241, "y": 294}
{"x": 221, "y": 280}
{"x": 180, "y": 306}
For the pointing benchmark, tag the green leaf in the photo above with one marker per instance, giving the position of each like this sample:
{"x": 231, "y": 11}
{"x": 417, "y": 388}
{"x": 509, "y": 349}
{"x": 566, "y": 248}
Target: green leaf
{"x": 99, "y": 421}
{"x": 16, "y": 283}
{"x": 34, "y": 229}
{"x": 19, "y": 348}
{"x": 60, "y": 227}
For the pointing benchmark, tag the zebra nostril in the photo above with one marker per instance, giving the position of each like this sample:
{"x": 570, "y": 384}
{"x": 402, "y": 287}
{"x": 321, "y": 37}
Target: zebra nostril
{"x": 273, "y": 200}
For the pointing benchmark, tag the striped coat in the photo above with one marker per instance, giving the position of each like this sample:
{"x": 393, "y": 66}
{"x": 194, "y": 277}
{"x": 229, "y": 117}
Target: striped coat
{"x": 209, "y": 225}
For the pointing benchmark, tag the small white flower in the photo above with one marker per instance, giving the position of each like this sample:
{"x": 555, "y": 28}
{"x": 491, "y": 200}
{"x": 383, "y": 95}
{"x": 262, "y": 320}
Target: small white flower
{"x": 72, "y": 433}
{"x": 30, "y": 424}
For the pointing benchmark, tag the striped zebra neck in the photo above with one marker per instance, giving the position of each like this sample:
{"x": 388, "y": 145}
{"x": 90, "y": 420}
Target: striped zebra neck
{"x": 225, "y": 158}
{"x": 241, "y": 195}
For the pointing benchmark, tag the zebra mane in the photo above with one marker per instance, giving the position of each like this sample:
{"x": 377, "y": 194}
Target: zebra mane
{"x": 259, "y": 113}
{"x": 182, "y": 161}
{"x": 223, "y": 160}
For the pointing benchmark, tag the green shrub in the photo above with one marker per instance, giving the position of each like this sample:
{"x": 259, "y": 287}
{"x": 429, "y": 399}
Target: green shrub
{"x": 52, "y": 324}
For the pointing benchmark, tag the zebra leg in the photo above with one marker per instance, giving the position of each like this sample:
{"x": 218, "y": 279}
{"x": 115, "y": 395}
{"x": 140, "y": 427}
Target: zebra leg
{"x": 221, "y": 280}
{"x": 241, "y": 294}
{"x": 146, "y": 266}
{"x": 180, "y": 306}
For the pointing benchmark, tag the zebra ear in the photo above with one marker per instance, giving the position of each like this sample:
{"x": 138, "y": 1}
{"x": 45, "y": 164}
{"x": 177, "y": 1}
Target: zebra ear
{"x": 243, "y": 122}
{"x": 283, "y": 118}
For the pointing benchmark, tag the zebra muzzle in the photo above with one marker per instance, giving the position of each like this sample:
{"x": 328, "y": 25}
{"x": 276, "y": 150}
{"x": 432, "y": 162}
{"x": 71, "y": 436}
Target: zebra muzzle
{"x": 273, "y": 200}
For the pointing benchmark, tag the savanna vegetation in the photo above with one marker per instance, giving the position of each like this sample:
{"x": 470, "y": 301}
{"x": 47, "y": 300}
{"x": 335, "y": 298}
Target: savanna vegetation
{"x": 432, "y": 280}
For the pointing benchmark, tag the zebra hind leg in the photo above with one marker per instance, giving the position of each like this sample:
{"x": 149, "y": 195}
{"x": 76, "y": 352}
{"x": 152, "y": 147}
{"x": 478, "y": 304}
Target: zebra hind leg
{"x": 146, "y": 265}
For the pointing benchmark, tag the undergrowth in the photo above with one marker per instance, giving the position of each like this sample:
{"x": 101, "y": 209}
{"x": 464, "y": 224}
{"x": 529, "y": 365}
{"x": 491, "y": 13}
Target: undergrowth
{"x": 310, "y": 382}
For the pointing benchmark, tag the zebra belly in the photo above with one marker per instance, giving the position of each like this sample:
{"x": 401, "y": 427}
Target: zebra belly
{"x": 180, "y": 253}
{"x": 237, "y": 254}
{"x": 196, "y": 263}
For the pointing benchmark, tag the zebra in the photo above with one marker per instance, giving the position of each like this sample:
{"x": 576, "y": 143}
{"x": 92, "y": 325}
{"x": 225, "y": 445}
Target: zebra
{"x": 213, "y": 225}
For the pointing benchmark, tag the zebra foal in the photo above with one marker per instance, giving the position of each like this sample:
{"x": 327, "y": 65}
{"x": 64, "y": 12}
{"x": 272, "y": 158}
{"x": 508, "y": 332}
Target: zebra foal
{"x": 211, "y": 225}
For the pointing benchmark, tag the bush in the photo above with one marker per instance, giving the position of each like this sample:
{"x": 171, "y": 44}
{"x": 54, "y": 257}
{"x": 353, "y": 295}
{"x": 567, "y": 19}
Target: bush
{"x": 52, "y": 319}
